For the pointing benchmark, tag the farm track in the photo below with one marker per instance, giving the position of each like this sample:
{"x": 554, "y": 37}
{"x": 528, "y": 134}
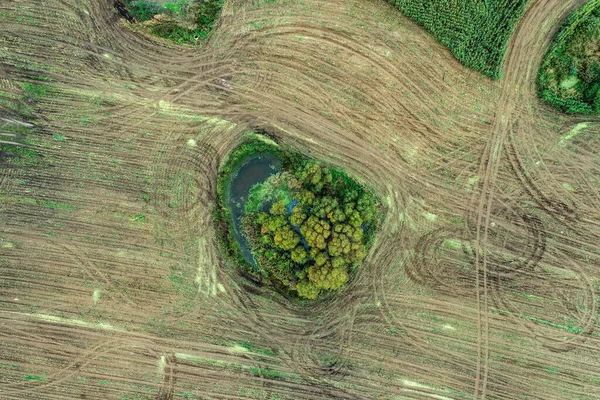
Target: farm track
{"x": 482, "y": 283}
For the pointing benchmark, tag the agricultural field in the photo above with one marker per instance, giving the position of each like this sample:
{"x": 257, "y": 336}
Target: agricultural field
{"x": 465, "y": 208}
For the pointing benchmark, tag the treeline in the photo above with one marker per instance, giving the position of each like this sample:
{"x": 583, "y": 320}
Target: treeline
{"x": 569, "y": 77}
{"x": 476, "y": 31}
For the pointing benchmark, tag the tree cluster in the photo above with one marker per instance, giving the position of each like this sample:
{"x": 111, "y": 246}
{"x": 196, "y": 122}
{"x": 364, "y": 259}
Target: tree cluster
{"x": 310, "y": 239}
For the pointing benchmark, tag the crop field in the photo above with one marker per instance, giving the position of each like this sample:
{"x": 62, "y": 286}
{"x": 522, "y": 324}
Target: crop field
{"x": 483, "y": 279}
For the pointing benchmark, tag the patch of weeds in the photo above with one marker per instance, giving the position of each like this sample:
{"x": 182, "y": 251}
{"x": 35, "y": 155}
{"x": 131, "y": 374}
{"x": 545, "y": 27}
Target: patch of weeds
{"x": 178, "y": 34}
{"x": 176, "y": 7}
{"x": 266, "y": 373}
{"x": 258, "y": 350}
{"x": 569, "y": 325}
{"x": 132, "y": 396}
{"x": 35, "y": 378}
{"x": 52, "y": 204}
{"x": 58, "y": 137}
{"x": 20, "y": 155}
{"x": 139, "y": 218}
{"x": 35, "y": 90}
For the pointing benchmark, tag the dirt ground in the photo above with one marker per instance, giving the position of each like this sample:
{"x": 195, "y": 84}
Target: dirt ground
{"x": 482, "y": 284}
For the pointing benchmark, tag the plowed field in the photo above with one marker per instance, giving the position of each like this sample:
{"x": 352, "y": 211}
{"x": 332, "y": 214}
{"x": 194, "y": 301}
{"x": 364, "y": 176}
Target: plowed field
{"x": 484, "y": 280}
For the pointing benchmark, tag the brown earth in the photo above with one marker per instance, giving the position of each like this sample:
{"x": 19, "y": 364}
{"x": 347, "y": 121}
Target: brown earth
{"x": 482, "y": 284}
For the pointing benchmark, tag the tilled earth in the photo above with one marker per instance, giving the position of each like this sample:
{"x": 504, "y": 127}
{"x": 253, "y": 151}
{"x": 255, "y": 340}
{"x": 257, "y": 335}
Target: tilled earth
{"x": 482, "y": 283}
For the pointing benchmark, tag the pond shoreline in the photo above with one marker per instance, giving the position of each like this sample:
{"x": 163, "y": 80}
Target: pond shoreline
{"x": 255, "y": 169}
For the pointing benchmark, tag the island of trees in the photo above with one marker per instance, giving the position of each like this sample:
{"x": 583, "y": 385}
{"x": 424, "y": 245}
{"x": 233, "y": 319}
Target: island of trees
{"x": 308, "y": 225}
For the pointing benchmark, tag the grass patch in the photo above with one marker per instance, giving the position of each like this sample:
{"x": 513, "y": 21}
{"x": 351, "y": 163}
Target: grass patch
{"x": 569, "y": 77}
{"x": 266, "y": 373}
{"x": 476, "y": 32}
{"x": 569, "y": 327}
{"x": 35, "y": 90}
{"x": 258, "y": 350}
{"x": 39, "y": 202}
{"x": 139, "y": 218}
{"x": 35, "y": 378}
{"x": 18, "y": 155}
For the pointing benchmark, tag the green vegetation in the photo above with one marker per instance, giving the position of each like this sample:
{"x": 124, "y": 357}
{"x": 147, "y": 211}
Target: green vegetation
{"x": 143, "y": 11}
{"x": 35, "y": 378}
{"x": 266, "y": 373}
{"x": 476, "y": 32}
{"x": 252, "y": 146}
{"x": 569, "y": 77}
{"x": 259, "y": 350}
{"x": 18, "y": 154}
{"x": 183, "y": 21}
{"x": 35, "y": 90}
{"x": 308, "y": 226}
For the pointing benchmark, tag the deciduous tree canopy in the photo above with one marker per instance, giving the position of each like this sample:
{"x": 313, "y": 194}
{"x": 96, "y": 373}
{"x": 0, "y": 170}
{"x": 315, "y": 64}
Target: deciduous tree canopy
{"x": 308, "y": 227}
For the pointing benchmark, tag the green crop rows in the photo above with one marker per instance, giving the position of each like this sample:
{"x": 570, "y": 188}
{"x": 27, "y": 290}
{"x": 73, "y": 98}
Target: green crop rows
{"x": 476, "y": 32}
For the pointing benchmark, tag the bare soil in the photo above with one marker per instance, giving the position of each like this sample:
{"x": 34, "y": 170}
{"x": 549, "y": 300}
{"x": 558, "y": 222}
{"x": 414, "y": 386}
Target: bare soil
{"x": 483, "y": 282}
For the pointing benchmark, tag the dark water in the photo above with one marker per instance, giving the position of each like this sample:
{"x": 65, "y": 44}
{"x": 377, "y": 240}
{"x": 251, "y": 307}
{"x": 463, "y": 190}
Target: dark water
{"x": 255, "y": 170}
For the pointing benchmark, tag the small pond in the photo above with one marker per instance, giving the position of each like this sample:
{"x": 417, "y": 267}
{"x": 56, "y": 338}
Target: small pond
{"x": 254, "y": 170}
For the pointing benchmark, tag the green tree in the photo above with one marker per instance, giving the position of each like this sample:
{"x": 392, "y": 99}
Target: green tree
{"x": 299, "y": 255}
{"x": 307, "y": 289}
{"x": 278, "y": 208}
{"x": 306, "y": 197}
{"x": 285, "y": 238}
{"x": 324, "y": 205}
{"x": 321, "y": 258}
{"x": 336, "y": 215}
{"x": 276, "y": 222}
{"x": 315, "y": 231}
{"x": 298, "y": 216}
{"x": 366, "y": 207}
{"x": 326, "y": 277}
{"x": 355, "y": 219}
{"x": 339, "y": 244}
